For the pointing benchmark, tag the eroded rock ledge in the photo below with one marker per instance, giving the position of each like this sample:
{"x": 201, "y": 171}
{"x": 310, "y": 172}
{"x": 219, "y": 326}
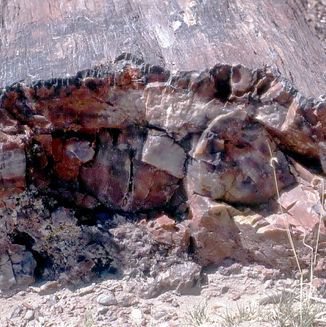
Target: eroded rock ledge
{"x": 186, "y": 156}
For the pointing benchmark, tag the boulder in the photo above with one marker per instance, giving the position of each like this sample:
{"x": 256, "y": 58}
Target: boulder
{"x": 214, "y": 234}
{"x": 231, "y": 161}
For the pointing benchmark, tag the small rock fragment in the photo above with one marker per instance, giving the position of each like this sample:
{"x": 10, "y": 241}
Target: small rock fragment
{"x": 106, "y": 299}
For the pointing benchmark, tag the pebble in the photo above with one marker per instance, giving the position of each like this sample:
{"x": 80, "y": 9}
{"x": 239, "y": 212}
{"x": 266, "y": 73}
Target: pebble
{"x": 157, "y": 315}
{"x": 49, "y": 287}
{"x": 102, "y": 310}
{"x": 126, "y": 299}
{"x": 16, "y": 312}
{"x": 87, "y": 290}
{"x": 225, "y": 289}
{"x": 175, "y": 303}
{"x": 106, "y": 299}
{"x": 29, "y": 315}
{"x": 136, "y": 316}
{"x": 235, "y": 296}
{"x": 41, "y": 320}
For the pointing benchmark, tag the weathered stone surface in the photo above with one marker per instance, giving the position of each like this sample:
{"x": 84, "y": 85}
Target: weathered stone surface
{"x": 231, "y": 161}
{"x": 242, "y": 80}
{"x": 166, "y": 231}
{"x": 152, "y": 188}
{"x": 181, "y": 277}
{"x": 108, "y": 175}
{"x": 118, "y": 179}
{"x": 214, "y": 233}
{"x": 69, "y": 155}
{"x": 40, "y": 40}
{"x": 185, "y": 104}
{"x": 51, "y": 105}
{"x": 16, "y": 266}
{"x": 291, "y": 117}
{"x": 163, "y": 153}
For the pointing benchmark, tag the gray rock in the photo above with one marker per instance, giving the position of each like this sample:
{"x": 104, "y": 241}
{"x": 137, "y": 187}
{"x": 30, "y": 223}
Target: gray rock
{"x": 29, "y": 315}
{"x": 16, "y": 267}
{"x": 165, "y": 154}
{"x": 106, "y": 299}
{"x": 182, "y": 277}
{"x": 126, "y": 299}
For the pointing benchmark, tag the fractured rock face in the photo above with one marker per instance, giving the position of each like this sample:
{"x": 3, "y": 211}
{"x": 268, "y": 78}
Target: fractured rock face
{"x": 166, "y": 231}
{"x": 176, "y": 108}
{"x": 119, "y": 178}
{"x": 266, "y": 239}
{"x": 243, "y": 80}
{"x": 69, "y": 156}
{"x": 108, "y": 176}
{"x": 298, "y": 122}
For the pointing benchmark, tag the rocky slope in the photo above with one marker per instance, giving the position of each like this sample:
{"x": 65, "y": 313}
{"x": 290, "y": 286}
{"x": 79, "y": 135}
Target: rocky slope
{"x": 127, "y": 164}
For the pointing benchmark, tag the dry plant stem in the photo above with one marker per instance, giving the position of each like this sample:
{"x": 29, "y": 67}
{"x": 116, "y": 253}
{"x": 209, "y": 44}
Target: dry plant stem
{"x": 320, "y": 217}
{"x": 288, "y": 232}
{"x": 273, "y": 159}
{"x": 311, "y": 264}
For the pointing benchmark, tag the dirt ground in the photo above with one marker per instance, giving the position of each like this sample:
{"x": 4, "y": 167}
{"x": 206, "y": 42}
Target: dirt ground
{"x": 114, "y": 302}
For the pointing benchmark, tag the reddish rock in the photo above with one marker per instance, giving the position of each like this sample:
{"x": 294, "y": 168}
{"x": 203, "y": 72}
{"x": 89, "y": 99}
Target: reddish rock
{"x": 8, "y": 124}
{"x": 54, "y": 106}
{"x": 119, "y": 180}
{"x": 46, "y": 141}
{"x": 85, "y": 201}
{"x": 69, "y": 155}
{"x": 214, "y": 233}
{"x": 166, "y": 231}
{"x": 291, "y": 117}
{"x": 266, "y": 239}
{"x": 152, "y": 188}
{"x": 12, "y": 166}
{"x": 303, "y": 205}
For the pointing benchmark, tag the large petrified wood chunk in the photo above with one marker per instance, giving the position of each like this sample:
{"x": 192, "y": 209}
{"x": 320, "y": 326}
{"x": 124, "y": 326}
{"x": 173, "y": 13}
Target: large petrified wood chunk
{"x": 231, "y": 161}
{"x": 137, "y": 141}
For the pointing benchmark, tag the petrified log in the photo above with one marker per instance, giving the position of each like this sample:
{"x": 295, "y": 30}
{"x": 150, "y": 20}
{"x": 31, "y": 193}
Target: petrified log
{"x": 128, "y": 139}
{"x": 136, "y": 139}
{"x": 40, "y": 38}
